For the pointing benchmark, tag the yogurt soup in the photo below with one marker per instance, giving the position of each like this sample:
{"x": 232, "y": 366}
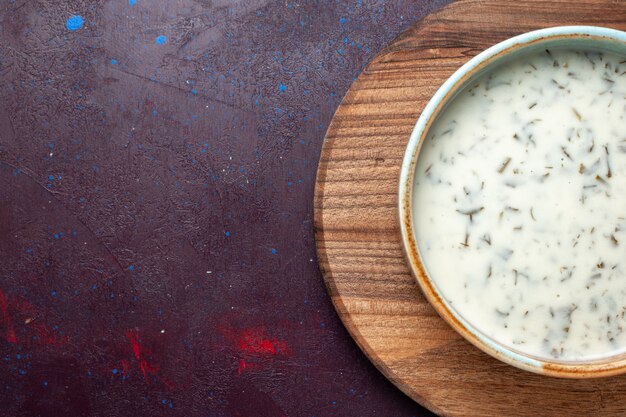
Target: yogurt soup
{"x": 520, "y": 204}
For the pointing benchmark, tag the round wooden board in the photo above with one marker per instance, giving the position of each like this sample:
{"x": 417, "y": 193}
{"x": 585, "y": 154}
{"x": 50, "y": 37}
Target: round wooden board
{"x": 357, "y": 232}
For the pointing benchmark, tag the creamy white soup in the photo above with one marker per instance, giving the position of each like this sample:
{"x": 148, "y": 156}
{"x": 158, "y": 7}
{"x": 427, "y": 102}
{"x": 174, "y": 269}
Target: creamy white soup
{"x": 520, "y": 204}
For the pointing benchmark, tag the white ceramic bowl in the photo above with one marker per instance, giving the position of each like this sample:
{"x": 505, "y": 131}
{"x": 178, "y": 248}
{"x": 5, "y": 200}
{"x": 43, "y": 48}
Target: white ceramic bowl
{"x": 573, "y": 37}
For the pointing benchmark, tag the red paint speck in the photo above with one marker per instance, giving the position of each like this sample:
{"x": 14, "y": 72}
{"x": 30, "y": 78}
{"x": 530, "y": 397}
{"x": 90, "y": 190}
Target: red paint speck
{"x": 141, "y": 355}
{"x": 255, "y": 348}
{"x": 243, "y": 365}
{"x": 139, "y": 352}
{"x": 5, "y": 320}
{"x": 254, "y": 341}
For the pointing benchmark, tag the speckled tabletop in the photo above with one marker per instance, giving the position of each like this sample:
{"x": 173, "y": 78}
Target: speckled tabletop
{"x": 157, "y": 165}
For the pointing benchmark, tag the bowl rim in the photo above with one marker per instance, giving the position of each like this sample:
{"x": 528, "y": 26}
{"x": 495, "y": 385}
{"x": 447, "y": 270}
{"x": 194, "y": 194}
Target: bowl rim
{"x": 612, "y": 365}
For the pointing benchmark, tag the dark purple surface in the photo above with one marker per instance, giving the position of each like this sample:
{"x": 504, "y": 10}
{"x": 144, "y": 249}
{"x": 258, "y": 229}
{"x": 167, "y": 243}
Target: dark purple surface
{"x": 157, "y": 167}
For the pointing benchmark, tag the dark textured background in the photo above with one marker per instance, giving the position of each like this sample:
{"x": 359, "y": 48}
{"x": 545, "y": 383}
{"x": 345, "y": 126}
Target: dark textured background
{"x": 157, "y": 166}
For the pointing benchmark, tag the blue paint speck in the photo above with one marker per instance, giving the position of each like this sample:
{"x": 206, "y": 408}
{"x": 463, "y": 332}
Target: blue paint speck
{"x": 114, "y": 371}
{"x": 227, "y": 233}
{"x": 18, "y": 356}
{"x": 132, "y": 2}
{"x": 274, "y": 251}
{"x": 114, "y": 62}
{"x": 282, "y": 87}
{"x": 131, "y": 268}
{"x": 74, "y": 22}
{"x": 163, "y": 401}
{"x": 194, "y": 91}
{"x": 53, "y": 293}
{"x": 51, "y": 177}
{"x": 342, "y": 20}
{"x": 45, "y": 383}
{"x": 161, "y": 39}
{"x": 56, "y": 236}
{"x": 154, "y": 112}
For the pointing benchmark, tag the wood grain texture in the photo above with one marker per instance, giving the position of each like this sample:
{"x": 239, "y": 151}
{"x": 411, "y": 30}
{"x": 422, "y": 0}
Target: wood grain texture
{"x": 357, "y": 233}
